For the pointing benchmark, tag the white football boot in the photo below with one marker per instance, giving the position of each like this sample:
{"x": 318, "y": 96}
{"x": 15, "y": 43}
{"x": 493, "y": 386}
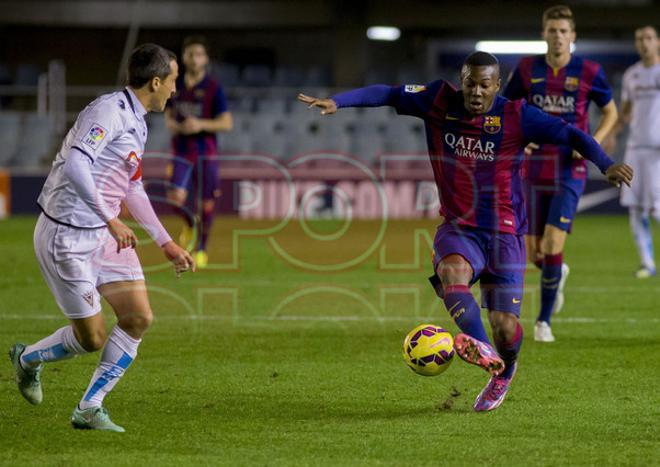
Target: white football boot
{"x": 542, "y": 332}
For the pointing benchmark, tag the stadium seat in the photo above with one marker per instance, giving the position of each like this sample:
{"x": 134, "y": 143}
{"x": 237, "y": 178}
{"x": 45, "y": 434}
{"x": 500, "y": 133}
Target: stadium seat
{"x": 271, "y": 105}
{"x": 410, "y": 76}
{"x": 226, "y": 73}
{"x": 27, "y": 74}
{"x": 10, "y": 125}
{"x": 256, "y": 75}
{"x": 379, "y": 76}
{"x": 239, "y": 139}
{"x": 240, "y": 104}
{"x": 288, "y": 77}
{"x": 318, "y": 76}
{"x": 404, "y": 135}
{"x": 159, "y": 136}
{"x": 34, "y": 142}
{"x": 367, "y": 139}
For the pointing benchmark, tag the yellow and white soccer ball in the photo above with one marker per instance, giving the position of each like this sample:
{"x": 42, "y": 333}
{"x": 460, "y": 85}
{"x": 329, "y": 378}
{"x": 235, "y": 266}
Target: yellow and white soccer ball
{"x": 428, "y": 349}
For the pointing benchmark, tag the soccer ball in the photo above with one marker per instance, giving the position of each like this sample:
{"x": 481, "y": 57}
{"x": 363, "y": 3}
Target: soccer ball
{"x": 428, "y": 349}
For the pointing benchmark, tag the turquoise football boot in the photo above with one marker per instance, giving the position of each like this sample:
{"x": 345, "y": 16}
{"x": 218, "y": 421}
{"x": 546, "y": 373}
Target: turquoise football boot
{"x": 28, "y": 381}
{"x": 94, "y": 418}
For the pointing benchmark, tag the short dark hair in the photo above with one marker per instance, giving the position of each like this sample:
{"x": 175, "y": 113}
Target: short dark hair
{"x": 147, "y": 62}
{"x": 195, "y": 40}
{"x": 559, "y": 12}
{"x": 481, "y": 59}
{"x": 649, "y": 26}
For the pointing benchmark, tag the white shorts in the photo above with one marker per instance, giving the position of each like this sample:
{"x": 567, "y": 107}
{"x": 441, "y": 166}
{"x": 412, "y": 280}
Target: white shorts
{"x": 74, "y": 262}
{"x": 645, "y": 190}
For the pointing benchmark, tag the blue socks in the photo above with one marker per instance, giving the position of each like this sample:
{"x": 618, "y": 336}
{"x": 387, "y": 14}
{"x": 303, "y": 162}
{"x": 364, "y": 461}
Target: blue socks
{"x": 550, "y": 277}
{"x": 465, "y": 311}
{"x": 205, "y": 227}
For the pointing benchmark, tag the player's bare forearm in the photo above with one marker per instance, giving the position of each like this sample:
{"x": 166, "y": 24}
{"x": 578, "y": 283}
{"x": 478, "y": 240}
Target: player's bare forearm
{"x": 625, "y": 115}
{"x": 223, "y": 122}
{"x": 141, "y": 209}
{"x": 607, "y": 121}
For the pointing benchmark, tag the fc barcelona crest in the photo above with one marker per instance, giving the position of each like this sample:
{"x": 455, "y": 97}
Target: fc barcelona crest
{"x": 571, "y": 84}
{"x": 492, "y": 124}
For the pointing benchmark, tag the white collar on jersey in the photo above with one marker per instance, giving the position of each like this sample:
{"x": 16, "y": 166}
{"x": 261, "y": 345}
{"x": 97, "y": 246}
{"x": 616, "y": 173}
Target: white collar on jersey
{"x": 134, "y": 102}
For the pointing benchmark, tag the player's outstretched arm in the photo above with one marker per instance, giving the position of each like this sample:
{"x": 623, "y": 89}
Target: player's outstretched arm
{"x": 543, "y": 128}
{"x": 143, "y": 212}
{"x": 608, "y": 119}
{"x": 372, "y": 96}
{"x": 590, "y": 149}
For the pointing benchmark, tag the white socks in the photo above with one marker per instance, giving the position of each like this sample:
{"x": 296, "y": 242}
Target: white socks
{"x": 60, "y": 345}
{"x": 641, "y": 230}
{"x": 119, "y": 352}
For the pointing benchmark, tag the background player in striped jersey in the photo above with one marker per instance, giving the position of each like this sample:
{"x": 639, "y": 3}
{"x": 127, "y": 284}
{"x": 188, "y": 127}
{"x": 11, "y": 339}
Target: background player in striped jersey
{"x": 564, "y": 85}
{"x": 195, "y": 114}
{"x": 84, "y": 249}
{"x": 640, "y": 107}
{"x": 476, "y": 143}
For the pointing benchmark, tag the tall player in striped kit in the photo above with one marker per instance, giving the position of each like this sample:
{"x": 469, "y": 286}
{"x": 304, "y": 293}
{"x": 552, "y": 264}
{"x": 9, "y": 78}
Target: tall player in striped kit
{"x": 476, "y": 143}
{"x": 563, "y": 85}
{"x": 195, "y": 114}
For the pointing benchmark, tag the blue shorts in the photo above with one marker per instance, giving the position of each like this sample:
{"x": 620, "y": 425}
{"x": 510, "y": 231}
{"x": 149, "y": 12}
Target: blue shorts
{"x": 497, "y": 259}
{"x": 552, "y": 204}
{"x": 201, "y": 175}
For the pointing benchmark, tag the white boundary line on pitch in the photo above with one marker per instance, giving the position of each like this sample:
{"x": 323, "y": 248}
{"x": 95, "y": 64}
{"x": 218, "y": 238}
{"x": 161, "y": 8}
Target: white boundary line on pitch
{"x": 358, "y": 285}
{"x": 572, "y": 320}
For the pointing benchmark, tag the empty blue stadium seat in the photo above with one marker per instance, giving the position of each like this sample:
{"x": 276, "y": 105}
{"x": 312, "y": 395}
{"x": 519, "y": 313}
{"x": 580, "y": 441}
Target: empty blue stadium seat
{"x": 35, "y": 144}
{"x": 10, "y": 125}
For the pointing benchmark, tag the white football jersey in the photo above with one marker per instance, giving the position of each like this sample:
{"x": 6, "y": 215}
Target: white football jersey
{"x": 112, "y": 132}
{"x": 641, "y": 87}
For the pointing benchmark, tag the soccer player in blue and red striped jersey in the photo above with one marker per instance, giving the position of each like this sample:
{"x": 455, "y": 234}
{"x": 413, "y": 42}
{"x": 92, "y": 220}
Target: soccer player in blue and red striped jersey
{"x": 563, "y": 85}
{"x": 476, "y": 143}
{"x": 195, "y": 114}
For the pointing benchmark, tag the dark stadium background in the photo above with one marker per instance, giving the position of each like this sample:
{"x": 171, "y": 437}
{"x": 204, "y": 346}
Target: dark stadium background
{"x": 59, "y": 55}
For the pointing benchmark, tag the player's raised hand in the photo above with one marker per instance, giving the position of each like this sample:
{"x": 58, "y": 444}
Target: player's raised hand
{"x": 618, "y": 173}
{"x": 180, "y": 258}
{"x": 123, "y": 234}
{"x": 327, "y": 106}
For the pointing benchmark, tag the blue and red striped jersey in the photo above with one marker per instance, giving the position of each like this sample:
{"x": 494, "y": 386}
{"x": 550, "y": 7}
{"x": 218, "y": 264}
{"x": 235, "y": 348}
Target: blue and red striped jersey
{"x": 564, "y": 92}
{"x": 204, "y": 100}
{"x": 476, "y": 160}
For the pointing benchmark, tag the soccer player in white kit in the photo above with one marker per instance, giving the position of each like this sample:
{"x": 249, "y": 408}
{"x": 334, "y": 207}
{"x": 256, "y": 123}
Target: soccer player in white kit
{"x": 85, "y": 251}
{"x": 640, "y": 107}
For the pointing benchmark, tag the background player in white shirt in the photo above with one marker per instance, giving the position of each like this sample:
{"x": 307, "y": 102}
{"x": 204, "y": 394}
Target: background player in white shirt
{"x": 640, "y": 107}
{"x": 84, "y": 249}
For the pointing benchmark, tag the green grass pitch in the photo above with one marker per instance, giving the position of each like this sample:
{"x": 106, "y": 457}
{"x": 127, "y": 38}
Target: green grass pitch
{"x": 287, "y": 351}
